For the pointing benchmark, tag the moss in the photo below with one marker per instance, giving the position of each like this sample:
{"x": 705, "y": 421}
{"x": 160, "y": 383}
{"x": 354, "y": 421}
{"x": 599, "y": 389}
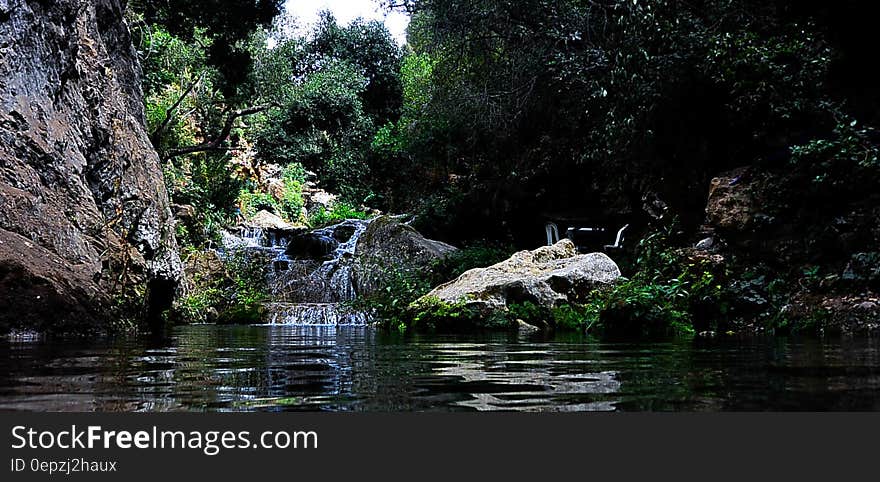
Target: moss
{"x": 234, "y": 292}
{"x": 434, "y": 314}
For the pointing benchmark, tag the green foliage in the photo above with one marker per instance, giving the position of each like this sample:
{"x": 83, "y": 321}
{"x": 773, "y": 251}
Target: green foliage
{"x": 236, "y": 295}
{"x": 334, "y": 90}
{"x": 572, "y": 317}
{"x": 833, "y": 160}
{"x": 251, "y": 203}
{"x": 567, "y": 317}
{"x": 249, "y": 290}
{"x": 206, "y": 184}
{"x": 434, "y": 314}
{"x": 669, "y": 294}
{"x": 289, "y": 206}
{"x": 369, "y": 47}
{"x": 528, "y": 312}
{"x": 323, "y": 126}
{"x": 198, "y": 305}
{"x": 391, "y": 304}
{"x": 514, "y": 97}
{"x": 224, "y": 25}
{"x": 339, "y": 211}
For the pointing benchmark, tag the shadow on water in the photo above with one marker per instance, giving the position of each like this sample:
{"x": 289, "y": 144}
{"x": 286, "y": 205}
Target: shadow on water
{"x": 273, "y": 368}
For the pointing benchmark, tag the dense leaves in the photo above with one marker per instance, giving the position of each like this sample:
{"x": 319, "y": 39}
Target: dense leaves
{"x": 333, "y": 90}
{"x": 560, "y": 109}
{"x": 226, "y": 24}
{"x": 501, "y": 115}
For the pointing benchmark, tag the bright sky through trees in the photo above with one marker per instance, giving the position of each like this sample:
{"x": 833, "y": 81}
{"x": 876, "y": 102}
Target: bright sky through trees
{"x": 306, "y": 12}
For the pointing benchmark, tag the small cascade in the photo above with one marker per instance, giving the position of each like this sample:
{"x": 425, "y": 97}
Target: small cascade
{"x": 310, "y": 274}
{"x": 313, "y": 314}
{"x": 252, "y": 237}
{"x": 319, "y": 269}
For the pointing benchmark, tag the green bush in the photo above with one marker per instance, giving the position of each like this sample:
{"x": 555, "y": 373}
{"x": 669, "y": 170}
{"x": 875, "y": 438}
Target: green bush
{"x": 289, "y": 207}
{"x": 669, "y": 294}
{"x": 249, "y": 288}
{"x": 433, "y": 314}
{"x": 339, "y": 211}
{"x": 390, "y": 306}
{"x": 572, "y": 317}
{"x": 836, "y": 159}
{"x": 236, "y": 295}
{"x": 250, "y": 203}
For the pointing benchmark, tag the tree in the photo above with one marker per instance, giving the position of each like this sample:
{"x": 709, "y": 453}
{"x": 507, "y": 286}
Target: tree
{"x": 369, "y": 47}
{"x": 226, "y": 24}
{"x": 334, "y": 88}
{"x": 567, "y": 108}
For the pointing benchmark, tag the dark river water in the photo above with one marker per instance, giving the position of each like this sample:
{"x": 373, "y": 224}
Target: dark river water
{"x": 233, "y": 368}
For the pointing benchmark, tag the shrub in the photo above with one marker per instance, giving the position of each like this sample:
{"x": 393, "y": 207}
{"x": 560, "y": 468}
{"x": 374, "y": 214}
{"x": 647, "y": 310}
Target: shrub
{"x": 670, "y": 293}
{"x": 249, "y": 289}
{"x": 433, "y": 314}
{"x": 571, "y": 317}
{"x": 250, "y": 203}
{"x": 288, "y": 207}
{"x": 235, "y": 295}
{"x": 391, "y": 304}
{"x": 339, "y": 211}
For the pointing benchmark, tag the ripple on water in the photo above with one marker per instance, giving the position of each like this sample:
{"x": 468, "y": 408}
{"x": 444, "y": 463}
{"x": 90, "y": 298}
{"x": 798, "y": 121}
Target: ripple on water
{"x": 231, "y": 368}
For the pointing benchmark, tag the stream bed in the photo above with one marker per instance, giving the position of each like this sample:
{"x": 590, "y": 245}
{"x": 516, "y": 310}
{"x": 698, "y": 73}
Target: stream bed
{"x": 343, "y": 368}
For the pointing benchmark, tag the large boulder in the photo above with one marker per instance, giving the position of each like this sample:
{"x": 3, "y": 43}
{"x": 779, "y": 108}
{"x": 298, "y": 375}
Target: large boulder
{"x": 732, "y": 202}
{"x": 85, "y": 221}
{"x": 389, "y": 244}
{"x": 272, "y": 222}
{"x": 548, "y": 277}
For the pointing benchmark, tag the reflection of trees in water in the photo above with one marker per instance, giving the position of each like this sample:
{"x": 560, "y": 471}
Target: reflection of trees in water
{"x": 70, "y": 376}
{"x": 757, "y": 374}
{"x": 808, "y": 374}
{"x": 200, "y": 367}
{"x": 216, "y": 366}
{"x": 311, "y": 361}
{"x": 320, "y": 367}
{"x": 531, "y": 377}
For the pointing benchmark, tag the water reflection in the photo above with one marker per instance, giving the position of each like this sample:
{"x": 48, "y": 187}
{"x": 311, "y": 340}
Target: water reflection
{"x": 356, "y": 368}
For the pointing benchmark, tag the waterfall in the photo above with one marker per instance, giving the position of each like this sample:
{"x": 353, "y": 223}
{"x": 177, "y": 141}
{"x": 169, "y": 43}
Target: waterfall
{"x": 313, "y": 314}
{"x": 310, "y": 274}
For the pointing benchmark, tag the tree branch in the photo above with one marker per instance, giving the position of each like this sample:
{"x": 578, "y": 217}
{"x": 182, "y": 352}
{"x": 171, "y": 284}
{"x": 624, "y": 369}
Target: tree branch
{"x": 156, "y": 136}
{"x": 217, "y": 143}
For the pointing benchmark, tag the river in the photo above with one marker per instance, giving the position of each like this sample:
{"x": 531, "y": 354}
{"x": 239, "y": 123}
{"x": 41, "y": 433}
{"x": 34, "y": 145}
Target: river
{"x": 339, "y": 368}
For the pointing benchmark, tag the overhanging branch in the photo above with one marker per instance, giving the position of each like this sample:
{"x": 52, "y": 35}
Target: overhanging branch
{"x": 216, "y": 143}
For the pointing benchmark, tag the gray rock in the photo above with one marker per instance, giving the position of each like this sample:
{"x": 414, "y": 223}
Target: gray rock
{"x": 526, "y": 328}
{"x": 389, "y": 244}
{"x": 705, "y": 244}
{"x": 548, "y": 276}
{"x": 81, "y": 189}
{"x": 269, "y": 221}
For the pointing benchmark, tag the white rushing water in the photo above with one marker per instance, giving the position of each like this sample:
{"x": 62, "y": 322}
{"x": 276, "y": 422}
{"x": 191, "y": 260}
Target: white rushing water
{"x": 310, "y": 274}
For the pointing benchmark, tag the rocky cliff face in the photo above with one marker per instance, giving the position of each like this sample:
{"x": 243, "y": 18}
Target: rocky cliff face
{"x": 84, "y": 216}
